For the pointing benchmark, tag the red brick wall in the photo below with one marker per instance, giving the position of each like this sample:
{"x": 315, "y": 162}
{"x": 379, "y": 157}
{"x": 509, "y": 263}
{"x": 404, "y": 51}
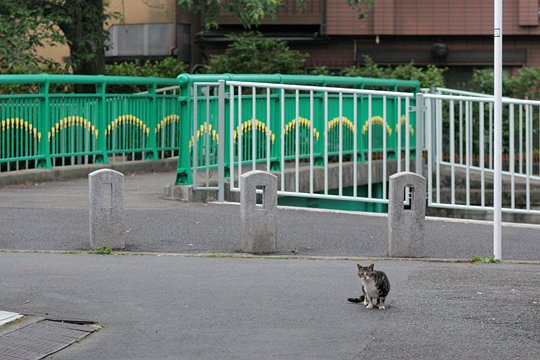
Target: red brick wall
{"x": 432, "y": 17}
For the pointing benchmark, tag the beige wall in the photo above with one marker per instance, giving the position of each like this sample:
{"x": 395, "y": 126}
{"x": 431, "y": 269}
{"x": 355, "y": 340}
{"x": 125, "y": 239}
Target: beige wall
{"x": 133, "y": 12}
{"x": 144, "y": 11}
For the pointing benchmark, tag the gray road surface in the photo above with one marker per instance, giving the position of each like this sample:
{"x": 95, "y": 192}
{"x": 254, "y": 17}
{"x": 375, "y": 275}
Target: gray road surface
{"x": 54, "y": 216}
{"x": 178, "y": 307}
{"x": 165, "y": 307}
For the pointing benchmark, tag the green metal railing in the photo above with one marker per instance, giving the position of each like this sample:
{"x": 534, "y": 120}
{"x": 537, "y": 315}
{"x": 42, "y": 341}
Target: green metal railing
{"x": 46, "y": 129}
{"x": 41, "y": 128}
{"x": 207, "y": 115}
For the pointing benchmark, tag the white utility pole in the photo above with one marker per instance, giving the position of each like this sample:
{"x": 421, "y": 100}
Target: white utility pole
{"x": 497, "y": 93}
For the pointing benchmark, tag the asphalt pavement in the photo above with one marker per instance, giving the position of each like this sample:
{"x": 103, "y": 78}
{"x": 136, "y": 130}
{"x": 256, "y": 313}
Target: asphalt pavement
{"x": 179, "y": 294}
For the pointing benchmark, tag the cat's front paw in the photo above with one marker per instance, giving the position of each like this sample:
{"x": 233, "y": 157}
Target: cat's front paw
{"x": 381, "y": 307}
{"x": 370, "y": 306}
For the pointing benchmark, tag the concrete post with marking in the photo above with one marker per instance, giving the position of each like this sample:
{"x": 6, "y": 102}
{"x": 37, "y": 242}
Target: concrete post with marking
{"x": 406, "y": 219}
{"x": 258, "y": 224}
{"x": 106, "y": 190}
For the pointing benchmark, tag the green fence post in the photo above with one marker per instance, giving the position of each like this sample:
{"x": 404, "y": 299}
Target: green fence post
{"x": 44, "y": 162}
{"x": 102, "y": 157}
{"x": 183, "y": 173}
{"x": 150, "y": 153}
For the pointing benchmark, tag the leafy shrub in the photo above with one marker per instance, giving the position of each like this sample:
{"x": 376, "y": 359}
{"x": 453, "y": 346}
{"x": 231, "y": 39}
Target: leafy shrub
{"x": 249, "y": 53}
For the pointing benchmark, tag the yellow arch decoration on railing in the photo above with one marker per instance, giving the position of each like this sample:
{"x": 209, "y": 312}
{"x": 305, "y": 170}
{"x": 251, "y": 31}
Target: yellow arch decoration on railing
{"x": 402, "y": 121}
{"x": 18, "y": 123}
{"x": 127, "y": 119}
{"x": 377, "y": 120}
{"x": 335, "y": 122}
{"x": 167, "y": 120}
{"x": 205, "y": 129}
{"x": 247, "y": 126}
{"x": 302, "y": 122}
{"x": 72, "y": 121}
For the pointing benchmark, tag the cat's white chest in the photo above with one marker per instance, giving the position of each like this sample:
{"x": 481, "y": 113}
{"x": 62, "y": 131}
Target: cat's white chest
{"x": 370, "y": 288}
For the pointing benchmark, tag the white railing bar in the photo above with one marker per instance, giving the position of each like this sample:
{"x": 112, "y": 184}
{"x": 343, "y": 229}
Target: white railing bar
{"x": 487, "y": 99}
{"x": 268, "y": 130}
{"x": 326, "y": 143}
{"x": 355, "y": 144}
{"x": 429, "y": 151}
{"x": 370, "y": 144}
{"x": 311, "y": 114}
{"x": 398, "y": 135}
{"x": 322, "y": 88}
{"x": 439, "y": 133}
{"x": 297, "y": 139}
{"x": 340, "y": 141}
{"x": 452, "y": 152}
{"x": 384, "y": 150}
{"x": 491, "y": 171}
{"x": 442, "y": 90}
{"x": 512, "y": 158}
{"x": 529, "y": 148}
{"x": 491, "y": 129}
{"x": 407, "y": 135}
{"x": 240, "y": 134}
{"x": 253, "y": 128}
{"x": 282, "y": 136}
{"x": 521, "y": 139}
{"x": 481, "y": 154}
{"x": 468, "y": 151}
{"x": 207, "y": 136}
{"x": 231, "y": 132}
{"x": 485, "y": 208}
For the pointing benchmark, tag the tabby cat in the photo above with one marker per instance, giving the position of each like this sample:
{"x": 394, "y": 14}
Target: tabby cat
{"x": 375, "y": 285}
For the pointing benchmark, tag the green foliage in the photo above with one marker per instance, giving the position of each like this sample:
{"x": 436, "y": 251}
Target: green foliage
{"x": 169, "y": 67}
{"x": 361, "y": 7}
{"x": 101, "y": 251}
{"x": 428, "y": 76}
{"x": 485, "y": 260}
{"x": 249, "y": 12}
{"x": 249, "y": 53}
{"x": 23, "y": 28}
{"x": 525, "y": 84}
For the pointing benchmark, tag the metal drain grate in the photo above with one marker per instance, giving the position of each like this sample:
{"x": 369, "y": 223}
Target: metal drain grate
{"x": 40, "y": 339}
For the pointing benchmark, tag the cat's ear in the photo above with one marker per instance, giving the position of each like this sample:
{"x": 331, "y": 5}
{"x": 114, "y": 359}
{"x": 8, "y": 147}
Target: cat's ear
{"x": 370, "y": 267}
{"x": 359, "y": 266}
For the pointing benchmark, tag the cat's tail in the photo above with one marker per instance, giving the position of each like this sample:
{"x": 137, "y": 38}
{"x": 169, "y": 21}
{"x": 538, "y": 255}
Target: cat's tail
{"x": 356, "y": 300}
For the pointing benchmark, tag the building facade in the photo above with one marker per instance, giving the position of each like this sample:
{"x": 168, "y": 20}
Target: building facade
{"x": 457, "y": 34}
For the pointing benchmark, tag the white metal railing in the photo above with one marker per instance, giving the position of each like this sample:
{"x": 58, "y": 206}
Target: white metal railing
{"x": 345, "y": 130}
{"x": 337, "y": 143}
{"x": 459, "y": 142}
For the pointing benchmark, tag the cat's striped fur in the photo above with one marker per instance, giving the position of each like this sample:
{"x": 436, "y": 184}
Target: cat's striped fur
{"x": 375, "y": 285}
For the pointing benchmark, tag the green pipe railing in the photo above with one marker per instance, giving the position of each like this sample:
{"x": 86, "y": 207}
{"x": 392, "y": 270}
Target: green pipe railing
{"x": 46, "y": 129}
{"x": 186, "y": 82}
{"x": 42, "y": 128}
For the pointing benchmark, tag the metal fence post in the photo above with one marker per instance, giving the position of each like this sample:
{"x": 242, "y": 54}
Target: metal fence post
{"x": 44, "y": 161}
{"x": 221, "y": 140}
{"x": 419, "y": 153}
{"x": 103, "y": 156}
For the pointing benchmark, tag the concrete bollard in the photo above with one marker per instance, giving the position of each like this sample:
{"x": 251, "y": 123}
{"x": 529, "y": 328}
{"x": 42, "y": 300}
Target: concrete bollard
{"x": 406, "y": 223}
{"x": 258, "y": 224}
{"x": 106, "y": 189}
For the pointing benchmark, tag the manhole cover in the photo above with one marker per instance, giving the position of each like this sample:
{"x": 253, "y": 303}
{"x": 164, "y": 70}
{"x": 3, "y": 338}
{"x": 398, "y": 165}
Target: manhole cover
{"x": 40, "y": 339}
